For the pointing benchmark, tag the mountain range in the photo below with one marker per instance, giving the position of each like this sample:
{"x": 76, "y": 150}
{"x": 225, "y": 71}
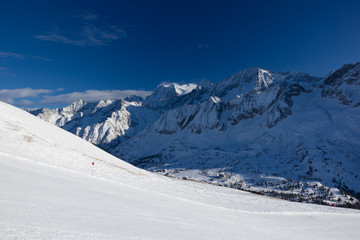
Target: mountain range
{"x": 285, "y": 134}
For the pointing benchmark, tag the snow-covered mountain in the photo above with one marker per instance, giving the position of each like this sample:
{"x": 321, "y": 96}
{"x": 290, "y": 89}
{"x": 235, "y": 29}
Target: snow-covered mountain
{"x": 49, "y": 189}
{"x": 102, "y": 123}
{"x": 286, "y": 134}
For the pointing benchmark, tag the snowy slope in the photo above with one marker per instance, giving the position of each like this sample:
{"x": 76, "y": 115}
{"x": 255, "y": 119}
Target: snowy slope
{"x": 49, "y": 190}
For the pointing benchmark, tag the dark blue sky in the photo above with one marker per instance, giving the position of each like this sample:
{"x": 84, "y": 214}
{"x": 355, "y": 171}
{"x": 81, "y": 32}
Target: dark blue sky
{"x": 74, "y": 46}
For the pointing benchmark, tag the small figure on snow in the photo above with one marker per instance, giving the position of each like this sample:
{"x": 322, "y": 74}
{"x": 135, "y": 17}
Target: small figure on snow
{"x": 92, "y": 169}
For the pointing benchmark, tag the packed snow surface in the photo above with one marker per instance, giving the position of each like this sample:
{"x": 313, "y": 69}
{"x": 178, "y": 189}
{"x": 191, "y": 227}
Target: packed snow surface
{"x": 49, "y": 189}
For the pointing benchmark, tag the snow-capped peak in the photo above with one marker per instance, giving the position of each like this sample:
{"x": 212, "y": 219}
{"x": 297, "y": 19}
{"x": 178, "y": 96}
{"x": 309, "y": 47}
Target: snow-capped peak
{"x": 75, "y": 106}
{"x": 166, "y": 92}
{"x": 250, "y": 80}
{"x": 104, "y": 103}
{"x": 179, "y": 89}
{"x": 184, "y": 89}
{"x": 256, "y": 77}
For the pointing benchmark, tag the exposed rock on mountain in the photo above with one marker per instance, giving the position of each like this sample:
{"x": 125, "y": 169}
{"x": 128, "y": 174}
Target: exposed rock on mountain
{"x": 344, "y": 84}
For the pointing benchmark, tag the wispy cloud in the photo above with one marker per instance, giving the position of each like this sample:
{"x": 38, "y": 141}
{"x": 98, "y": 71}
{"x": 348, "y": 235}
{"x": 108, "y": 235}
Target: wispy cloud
{"x": 203, "y": 45}
{"x": 41, "y": 58}
{"x": 54, "y": 37}
{"x": 28, "y": 97}
{"x": 20, "y": 56}
{"x": 12, "y": 55}
{"x": 89, "y": 33}
{"x": 87, "y": 16}
{"x": 4, "y": 71}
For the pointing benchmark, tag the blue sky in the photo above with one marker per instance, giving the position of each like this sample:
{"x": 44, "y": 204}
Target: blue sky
{"x": 53, "y": 52}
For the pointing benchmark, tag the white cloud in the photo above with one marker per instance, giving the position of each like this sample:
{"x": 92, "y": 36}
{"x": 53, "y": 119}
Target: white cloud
{"x": 11, "y": 95}
{"x": 43, "y": 97}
